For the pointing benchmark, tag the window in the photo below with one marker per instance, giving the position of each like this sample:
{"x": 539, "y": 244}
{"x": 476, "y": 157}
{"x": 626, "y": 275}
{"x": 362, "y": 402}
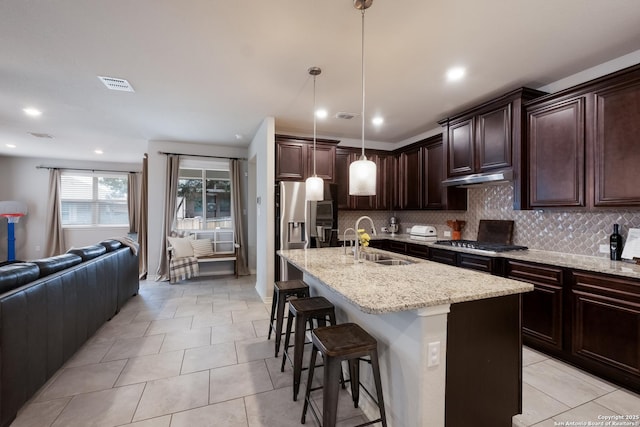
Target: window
{"x": 94, "y": 199}
{"x": 204, "y": 196}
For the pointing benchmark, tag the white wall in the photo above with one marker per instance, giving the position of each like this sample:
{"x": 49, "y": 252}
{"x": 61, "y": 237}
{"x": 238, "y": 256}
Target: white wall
{"x": 157, "y": 176}
{"x": 262, "y": 153}
{"x": 22, "y": 181}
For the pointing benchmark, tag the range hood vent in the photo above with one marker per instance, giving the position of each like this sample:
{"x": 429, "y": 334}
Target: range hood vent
{"x": 479, "y": 179}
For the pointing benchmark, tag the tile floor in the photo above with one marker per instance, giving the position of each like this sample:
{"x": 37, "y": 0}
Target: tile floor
{"x": 196, "y": 354}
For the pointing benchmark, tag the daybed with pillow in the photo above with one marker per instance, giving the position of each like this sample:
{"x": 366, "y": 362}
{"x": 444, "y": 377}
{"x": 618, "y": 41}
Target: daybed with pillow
{"x": 186, "y": 253}
{"x": 50, "y": 307}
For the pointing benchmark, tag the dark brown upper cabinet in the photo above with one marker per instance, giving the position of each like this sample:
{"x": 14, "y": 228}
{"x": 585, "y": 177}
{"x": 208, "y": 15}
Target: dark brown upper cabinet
{"x": 294, "y": 158}
{"x": 556, "y": 154}
{"x": 411, "y": 178}
{"x": 490, "y": 137}
{"x": 385, "y": 179}
{"x": 583, "y": 144}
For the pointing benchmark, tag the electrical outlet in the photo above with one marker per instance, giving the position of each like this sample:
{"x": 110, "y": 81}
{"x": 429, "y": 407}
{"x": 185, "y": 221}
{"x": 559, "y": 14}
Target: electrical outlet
{"x": 604, "y": 249}
{"x": 385, "y": 229}
{"x": 434, "y": 354}
{"x": 447, "y": 234}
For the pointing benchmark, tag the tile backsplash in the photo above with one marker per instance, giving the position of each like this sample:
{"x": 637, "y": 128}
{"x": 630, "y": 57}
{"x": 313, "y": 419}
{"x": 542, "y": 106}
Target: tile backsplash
{"x": 552, "y": 230}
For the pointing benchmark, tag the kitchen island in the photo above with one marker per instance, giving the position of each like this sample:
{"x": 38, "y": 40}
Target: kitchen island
{"x": 449, "y": 339}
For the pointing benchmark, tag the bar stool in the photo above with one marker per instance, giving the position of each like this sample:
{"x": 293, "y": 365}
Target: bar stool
{"x": 284, "y": 291}
{"x": 304, "y": 310}
{"x": 350, "y": 342}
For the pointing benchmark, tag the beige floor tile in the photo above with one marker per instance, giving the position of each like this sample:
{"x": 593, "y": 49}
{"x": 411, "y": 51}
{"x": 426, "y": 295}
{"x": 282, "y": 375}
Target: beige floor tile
{"x": 254, "y": 349}
{"x": 156, "y": 314}
{"x": 40, "y": 413}
{"x": 530, "y": 356}
{"x": 211, "y": 319}
{"x": 345, "y": 403}
{"x": 153, "y": 367}
{"x": 248, "y": 315}
{"x": 91, "y": 352}
{"x": 214, "y": 356}
{"x": 193, "y": 309}
{"x": 178, "y": 301}
{"x": 169, "y": 325}
{"x": 546, "y": 423}
{"x": 192, "y": 338}
{"x": 197, "y": 291}
{"x": 112, "y": 331}
{"x": 582, "y": 375}
{"x": 169, "y": 395}
{"x": 213, "y": 298}
{"x": 134, "y": 347}
{"x": 232, "y": 332}
{"x": 226, "y": 414}
{"x": 83, "y": 379}
{"x": 537, "y": 406}
{"x": 221, "y": 306}
{"x": 262, "y": 327}
{"x": 621, "y": 401}
{"x": 561, "y": 385}
{"x": 153, "y": 422}
{"x": 102, "y": 408}
{"x": 231, "y": 382}
{"x": 124, "y": 317}
{"x": 589, "y": 412}
{"x": 274, "y": 408}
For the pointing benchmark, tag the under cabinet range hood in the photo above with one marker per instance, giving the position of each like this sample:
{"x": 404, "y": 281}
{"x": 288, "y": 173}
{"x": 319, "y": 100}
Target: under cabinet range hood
{"x": 479, "y": 179}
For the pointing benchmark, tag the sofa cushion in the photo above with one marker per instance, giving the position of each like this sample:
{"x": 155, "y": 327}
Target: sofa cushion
{"x": 88, "y": 252}
{"x": 52, "y": 264}
{"x": 17, "y": 274}
{"x": 111, "y": 244}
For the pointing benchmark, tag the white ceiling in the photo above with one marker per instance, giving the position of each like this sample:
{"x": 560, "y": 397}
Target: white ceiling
{"x": 206, "y": 70}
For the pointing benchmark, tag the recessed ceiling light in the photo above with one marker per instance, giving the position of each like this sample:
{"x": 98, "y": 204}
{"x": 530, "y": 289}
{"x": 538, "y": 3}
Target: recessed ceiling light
{"x": 33, "y": 112}
{"x": 239, "y": 136}
{"x": 455, "y": 73}
{"x": 377, "y": 121}
{"x": 11, "y": 145}
{"x": 98, "y": 151}
{"x": 41, "y": 135}
{"x": 322, "y": 113}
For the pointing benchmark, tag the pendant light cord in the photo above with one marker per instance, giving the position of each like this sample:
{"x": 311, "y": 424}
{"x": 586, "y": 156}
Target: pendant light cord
{"x": 363, "y": 94}
{"x": 314, "y": 125}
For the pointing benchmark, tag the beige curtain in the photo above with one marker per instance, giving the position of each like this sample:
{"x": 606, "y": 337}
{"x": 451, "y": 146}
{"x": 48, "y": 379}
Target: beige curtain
{"x": 143, "y": 253}
{"x": 54, "y": 234}
{"x": 236, "y": 212}
{"x": 169, "y": 214}
{"x": 132, "y": 201}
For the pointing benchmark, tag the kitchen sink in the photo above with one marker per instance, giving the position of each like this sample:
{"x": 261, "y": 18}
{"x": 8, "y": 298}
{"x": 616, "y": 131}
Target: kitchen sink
{"x": 383, "y": 259}
{"x": 393, "y": 261}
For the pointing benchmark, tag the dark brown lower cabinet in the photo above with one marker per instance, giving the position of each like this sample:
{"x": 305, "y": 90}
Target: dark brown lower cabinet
{"x": 484, "y": 348}
{"x": 541, "y": 309}
{"x": 476, "y": 262}
{"x": 443, "y": 256}
{"x": 398, "y": 247}
{"x": 418, "y": 251}
{"x": 606, "y": 326}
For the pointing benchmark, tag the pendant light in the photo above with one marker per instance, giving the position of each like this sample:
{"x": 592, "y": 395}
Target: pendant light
{"x": 314, "y": 185}
{"x": 362, "y": 172}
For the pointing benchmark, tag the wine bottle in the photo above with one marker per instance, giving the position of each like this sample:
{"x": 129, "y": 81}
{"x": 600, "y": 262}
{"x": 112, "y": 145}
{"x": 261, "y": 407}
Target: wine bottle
{"x": 615, "y": 244}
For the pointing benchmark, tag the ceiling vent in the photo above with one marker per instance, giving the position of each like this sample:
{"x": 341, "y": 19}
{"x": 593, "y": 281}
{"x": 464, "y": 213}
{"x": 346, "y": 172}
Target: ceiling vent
{"x": 346, "y": 116}
{"x": 116, "y": 84}
{"x": 41, "y": 135}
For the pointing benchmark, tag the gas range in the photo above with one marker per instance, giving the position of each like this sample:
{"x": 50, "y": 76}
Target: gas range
{"x": 481, "y": 246}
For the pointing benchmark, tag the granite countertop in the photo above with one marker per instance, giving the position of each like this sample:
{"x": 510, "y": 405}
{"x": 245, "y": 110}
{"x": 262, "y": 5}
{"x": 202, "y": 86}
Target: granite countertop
{"x": 579, "y": 262}
{"x": 379, "y": 289}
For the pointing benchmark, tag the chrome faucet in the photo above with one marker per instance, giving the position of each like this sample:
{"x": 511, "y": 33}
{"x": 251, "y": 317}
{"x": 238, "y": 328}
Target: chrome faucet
{"x": 356, "y": 254}
{"x": 344, "y": 238}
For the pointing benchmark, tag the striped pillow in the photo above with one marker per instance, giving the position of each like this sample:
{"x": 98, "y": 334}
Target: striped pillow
{"x": 202, "y": 247}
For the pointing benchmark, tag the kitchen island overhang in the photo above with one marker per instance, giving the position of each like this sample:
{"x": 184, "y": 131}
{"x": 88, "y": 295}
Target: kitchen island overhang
{"x": 433, "y": 362}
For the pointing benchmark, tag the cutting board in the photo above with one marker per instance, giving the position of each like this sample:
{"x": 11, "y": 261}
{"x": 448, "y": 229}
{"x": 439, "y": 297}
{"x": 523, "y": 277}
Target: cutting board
{"x": 495, "y": 231}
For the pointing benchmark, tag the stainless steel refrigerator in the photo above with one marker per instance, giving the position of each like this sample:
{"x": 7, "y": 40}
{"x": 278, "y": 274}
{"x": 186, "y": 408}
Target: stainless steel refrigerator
{"x": 302, "y": 224}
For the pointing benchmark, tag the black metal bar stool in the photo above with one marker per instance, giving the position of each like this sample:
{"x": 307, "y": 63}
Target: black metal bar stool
{"x": 350, "y": 342}
{"x": 284, "y": 291}
{"x": 304, "y": 310}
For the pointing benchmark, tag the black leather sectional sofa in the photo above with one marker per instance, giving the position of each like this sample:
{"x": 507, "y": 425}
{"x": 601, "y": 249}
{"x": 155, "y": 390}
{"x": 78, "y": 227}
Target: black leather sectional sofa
{"x": 50, "y": 307}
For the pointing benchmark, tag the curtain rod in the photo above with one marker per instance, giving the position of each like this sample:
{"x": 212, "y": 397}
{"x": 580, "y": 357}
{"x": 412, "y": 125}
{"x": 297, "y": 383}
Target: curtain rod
{"x": 81, "y": 169}
{"x": 202, "y": 155}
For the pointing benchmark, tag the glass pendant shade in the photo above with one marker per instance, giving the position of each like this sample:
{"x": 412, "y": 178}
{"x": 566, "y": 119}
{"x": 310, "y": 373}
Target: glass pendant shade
{"x": 314, "y": 188}
{"x": 362, "y": 177}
